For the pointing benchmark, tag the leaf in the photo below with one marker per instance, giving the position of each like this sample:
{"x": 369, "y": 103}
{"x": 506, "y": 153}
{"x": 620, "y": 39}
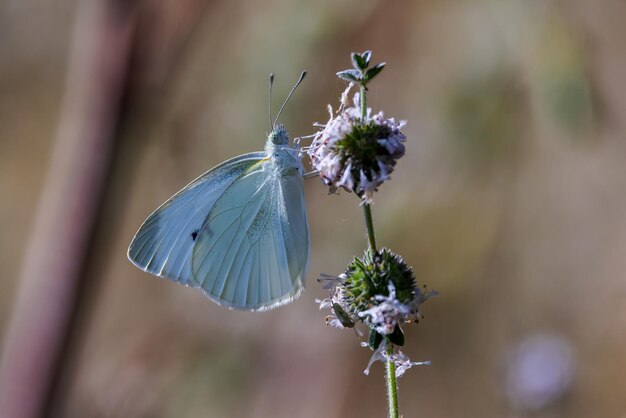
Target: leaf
{"x": 343, "y": 317}
{"x": 350, "y": 75}
{"x": 373, "y": 72}
{"x": 374, "y": 339}
{"x": 366, "y": 57}
{"x": 397, "y": 336}
{"x": 357, "y": 61}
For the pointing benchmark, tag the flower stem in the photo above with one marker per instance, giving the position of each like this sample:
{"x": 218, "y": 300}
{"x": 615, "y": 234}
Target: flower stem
{"x": 392, "y": 390}
{"x": 363, "y": 98}
{"x": 369, "y": 223}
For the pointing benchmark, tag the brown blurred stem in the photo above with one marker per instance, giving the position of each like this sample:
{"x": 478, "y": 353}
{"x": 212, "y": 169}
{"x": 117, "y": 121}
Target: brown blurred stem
{"x": 72, "y": 191}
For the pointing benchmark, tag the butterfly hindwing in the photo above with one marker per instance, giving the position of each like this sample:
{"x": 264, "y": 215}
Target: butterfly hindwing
{"x": 164, "y": 243}
{"x": 252, "y": 250}
{"x": 296, "y": 229}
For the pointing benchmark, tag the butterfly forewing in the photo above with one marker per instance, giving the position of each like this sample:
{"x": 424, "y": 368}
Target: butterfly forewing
{"x": 164, "y": 243}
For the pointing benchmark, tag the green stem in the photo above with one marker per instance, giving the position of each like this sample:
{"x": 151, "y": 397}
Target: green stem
{"x": 363, "y": 95}
{"x": 369, "y": 223}
{"x": 392, "y": 390}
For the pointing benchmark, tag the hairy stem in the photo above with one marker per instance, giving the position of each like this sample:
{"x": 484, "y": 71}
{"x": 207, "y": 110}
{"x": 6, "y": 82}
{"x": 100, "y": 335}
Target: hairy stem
{"x": 363, "y": 97}
{"x": 369, "y": 223}
{"x": 392, "y": 390}
{"x": 367, "y": 210}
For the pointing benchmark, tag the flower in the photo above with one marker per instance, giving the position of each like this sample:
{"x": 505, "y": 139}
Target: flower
{"x": 378, "y": 290}
{"x": 369, "y": 281}
{"x": 389, "y": 312}
{"x": 399, "y": 359}
{"x": 338, "y": 318}
{"x": 355, "y": 153}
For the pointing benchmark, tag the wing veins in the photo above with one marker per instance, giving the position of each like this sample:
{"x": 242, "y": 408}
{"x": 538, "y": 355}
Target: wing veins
{"x": 238, "y": 273}
{"x": 237, "y": 219}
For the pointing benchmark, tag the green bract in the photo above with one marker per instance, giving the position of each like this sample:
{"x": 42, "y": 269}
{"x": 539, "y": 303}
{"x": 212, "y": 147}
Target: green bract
{"x": 360, "y": 73}
{"x": 370, "y": 276}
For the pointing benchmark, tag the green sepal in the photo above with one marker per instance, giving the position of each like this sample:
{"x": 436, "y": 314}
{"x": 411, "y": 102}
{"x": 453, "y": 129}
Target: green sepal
{"x": 350, "y": 75}
{"x": 370, "y": 275}
{"x": 397, "y": 336}
{"x": 374, "y": 339}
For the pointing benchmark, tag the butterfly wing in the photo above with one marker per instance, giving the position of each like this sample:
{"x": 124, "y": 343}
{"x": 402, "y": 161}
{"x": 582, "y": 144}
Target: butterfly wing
{"x": 252, "y": 251}
{"x": 164, "y": 243}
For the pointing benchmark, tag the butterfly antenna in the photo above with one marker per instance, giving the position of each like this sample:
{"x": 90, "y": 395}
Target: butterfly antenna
{"x": 289, "y": 95}
{"x": 270, "y": 102}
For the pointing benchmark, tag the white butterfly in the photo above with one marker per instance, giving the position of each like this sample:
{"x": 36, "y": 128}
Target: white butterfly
{"x": 238, "y": 232}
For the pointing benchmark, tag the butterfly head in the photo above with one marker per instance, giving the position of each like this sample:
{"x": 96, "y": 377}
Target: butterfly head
{"x": 279, "y": 136}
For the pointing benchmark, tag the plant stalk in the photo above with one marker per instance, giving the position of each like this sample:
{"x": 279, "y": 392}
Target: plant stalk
{"x": 392, "y": 389}
{"x": 369, "y": 223}
{"x": 53, "y": 272}
{"x": 363, "y": 96}
{"x": 367, "y": 210}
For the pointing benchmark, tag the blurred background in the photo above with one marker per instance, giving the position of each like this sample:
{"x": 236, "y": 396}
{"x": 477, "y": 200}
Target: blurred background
{"x": 510, "y": 201}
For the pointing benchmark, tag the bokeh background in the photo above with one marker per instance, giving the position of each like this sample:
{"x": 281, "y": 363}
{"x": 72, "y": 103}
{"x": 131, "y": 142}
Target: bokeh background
{"x": 510, "y": 201}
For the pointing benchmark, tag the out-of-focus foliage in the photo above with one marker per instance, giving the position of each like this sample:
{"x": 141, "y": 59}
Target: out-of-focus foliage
{"x": 511, "y": 201}
{"x": 486, "y": 118}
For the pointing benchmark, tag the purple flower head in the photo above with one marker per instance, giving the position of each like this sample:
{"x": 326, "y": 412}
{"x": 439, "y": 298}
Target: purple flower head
{"x": 354, "y": 153}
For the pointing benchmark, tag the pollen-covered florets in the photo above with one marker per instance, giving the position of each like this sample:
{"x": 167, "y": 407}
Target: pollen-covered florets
{"x": 354, "y": 153}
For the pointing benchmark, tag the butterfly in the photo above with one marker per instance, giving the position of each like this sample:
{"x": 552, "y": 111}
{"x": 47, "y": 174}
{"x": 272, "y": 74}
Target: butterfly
{"x": 239, "y": 232}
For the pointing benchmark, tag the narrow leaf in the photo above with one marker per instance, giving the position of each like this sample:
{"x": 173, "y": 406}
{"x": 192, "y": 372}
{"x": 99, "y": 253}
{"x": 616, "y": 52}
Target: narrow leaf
{"x": 374, "y": 339}
{"x": 373, "y": 72}
{"x": 358, "y": 62}
{"x": 397, "y": 337}
{"x": 350, "y": 75}
{"x": 367, "y": 55}
{"x": 343, "y": 316}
